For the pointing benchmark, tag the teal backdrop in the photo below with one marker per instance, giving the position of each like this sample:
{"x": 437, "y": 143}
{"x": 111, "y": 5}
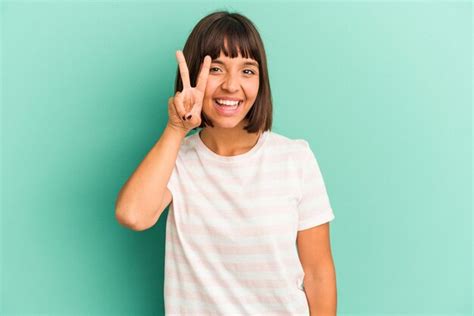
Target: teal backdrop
{"x": 381, "y": 90}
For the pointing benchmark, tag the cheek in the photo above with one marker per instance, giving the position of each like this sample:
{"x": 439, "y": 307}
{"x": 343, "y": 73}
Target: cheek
{"x": 211, "y": 86}
{"x": 251, "y": 89}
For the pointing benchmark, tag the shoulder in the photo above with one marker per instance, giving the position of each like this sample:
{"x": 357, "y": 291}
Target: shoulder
{"x": 188, "y": 144}
{"x": 187, "y": 150}
{"x": 294, "y": 146}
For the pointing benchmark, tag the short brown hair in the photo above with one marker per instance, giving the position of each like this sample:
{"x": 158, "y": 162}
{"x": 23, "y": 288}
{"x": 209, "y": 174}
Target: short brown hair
{"x": 208, "y": 38}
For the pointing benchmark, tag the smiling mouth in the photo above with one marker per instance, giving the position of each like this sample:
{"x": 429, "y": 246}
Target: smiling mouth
{"x": 231, "y": 105}
{"x": 227, "y": 110}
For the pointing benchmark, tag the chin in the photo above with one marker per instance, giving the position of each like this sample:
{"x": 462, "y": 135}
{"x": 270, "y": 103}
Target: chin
{"x": 223, "y": 123}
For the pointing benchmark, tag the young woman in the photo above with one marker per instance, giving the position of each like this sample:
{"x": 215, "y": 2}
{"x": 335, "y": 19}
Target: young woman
{"x": 248, "y": 225}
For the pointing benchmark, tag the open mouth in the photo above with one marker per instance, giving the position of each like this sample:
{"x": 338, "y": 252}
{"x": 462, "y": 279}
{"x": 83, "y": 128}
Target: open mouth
{"x": 228, "y": 104}
{"x": 227, "y": 108}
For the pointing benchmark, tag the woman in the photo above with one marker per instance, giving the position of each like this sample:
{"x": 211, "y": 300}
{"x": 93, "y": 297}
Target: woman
{"x": 248, "y": 225}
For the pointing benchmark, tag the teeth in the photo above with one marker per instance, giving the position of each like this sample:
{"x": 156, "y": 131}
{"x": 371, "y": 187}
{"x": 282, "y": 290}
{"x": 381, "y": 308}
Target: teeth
{"x": 227, "y": 102}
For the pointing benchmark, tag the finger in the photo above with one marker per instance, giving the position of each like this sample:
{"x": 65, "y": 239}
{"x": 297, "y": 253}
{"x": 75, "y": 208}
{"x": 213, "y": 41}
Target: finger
{"x": 188, "y": 100}
{"x": 195, "y": 111}
{"x": 179, "y": 105}
{"x": 203, "y": 74}
{"x": 183, "y": 69}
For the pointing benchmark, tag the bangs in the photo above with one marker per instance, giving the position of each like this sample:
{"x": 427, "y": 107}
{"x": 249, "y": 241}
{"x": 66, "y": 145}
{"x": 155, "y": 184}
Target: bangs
{"x": 231, "y": 37}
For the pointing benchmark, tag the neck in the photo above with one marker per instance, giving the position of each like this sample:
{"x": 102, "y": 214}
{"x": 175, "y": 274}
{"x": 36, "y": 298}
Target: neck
{"x": 228, "y": 141}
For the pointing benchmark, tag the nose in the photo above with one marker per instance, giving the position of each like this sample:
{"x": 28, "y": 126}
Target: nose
{"x": 231, "y": 83}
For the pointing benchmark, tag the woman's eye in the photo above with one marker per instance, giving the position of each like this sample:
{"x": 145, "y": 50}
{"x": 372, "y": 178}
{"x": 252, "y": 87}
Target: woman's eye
{"x": 251, "y": 72}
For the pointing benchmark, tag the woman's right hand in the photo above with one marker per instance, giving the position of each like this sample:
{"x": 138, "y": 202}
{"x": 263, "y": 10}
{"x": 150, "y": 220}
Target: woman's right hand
{"x": 184, "y": 109}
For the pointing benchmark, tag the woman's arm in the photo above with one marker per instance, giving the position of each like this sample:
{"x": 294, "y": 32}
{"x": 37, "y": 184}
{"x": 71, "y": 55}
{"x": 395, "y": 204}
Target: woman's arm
{"x": 141, "y": 197}
{"x": 314, "y": 251}
{"x": 144, "y": 196}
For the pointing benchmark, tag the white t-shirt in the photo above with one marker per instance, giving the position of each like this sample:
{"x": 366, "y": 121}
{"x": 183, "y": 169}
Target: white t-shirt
{"x": 232, "y": 226}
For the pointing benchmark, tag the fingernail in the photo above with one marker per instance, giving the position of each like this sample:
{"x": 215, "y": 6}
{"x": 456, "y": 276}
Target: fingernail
{"x": 189, "y": 116}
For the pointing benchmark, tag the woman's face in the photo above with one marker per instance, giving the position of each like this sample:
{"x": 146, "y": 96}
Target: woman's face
{"x": 230, "y": 80}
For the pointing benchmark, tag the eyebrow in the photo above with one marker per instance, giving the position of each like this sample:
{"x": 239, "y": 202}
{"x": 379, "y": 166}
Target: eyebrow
{"x": 246, "y": 63}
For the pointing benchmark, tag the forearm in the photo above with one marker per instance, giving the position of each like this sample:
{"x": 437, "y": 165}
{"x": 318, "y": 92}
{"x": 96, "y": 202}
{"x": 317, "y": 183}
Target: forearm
{"x": 321, "y": 292}
{"x": 142, "y": 194}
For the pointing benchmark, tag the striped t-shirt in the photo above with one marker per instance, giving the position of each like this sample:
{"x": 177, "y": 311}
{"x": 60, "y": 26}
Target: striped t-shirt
{"x": 232, "y": 226}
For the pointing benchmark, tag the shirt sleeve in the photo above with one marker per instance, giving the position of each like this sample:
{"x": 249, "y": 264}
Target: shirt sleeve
{"x": 314, "y": 207}
{"x": 173, "y": 184}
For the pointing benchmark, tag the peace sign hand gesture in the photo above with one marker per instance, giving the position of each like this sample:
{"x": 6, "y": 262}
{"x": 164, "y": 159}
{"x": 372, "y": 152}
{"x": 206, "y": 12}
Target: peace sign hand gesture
{"x": 184, "y": 109}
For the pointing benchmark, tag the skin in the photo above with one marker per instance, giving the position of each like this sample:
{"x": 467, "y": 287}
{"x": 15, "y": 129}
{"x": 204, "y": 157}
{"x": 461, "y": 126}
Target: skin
{"x": 314, "y": 250}
{"x": 223, "y": 77}
{"x": 233, "y": 79}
